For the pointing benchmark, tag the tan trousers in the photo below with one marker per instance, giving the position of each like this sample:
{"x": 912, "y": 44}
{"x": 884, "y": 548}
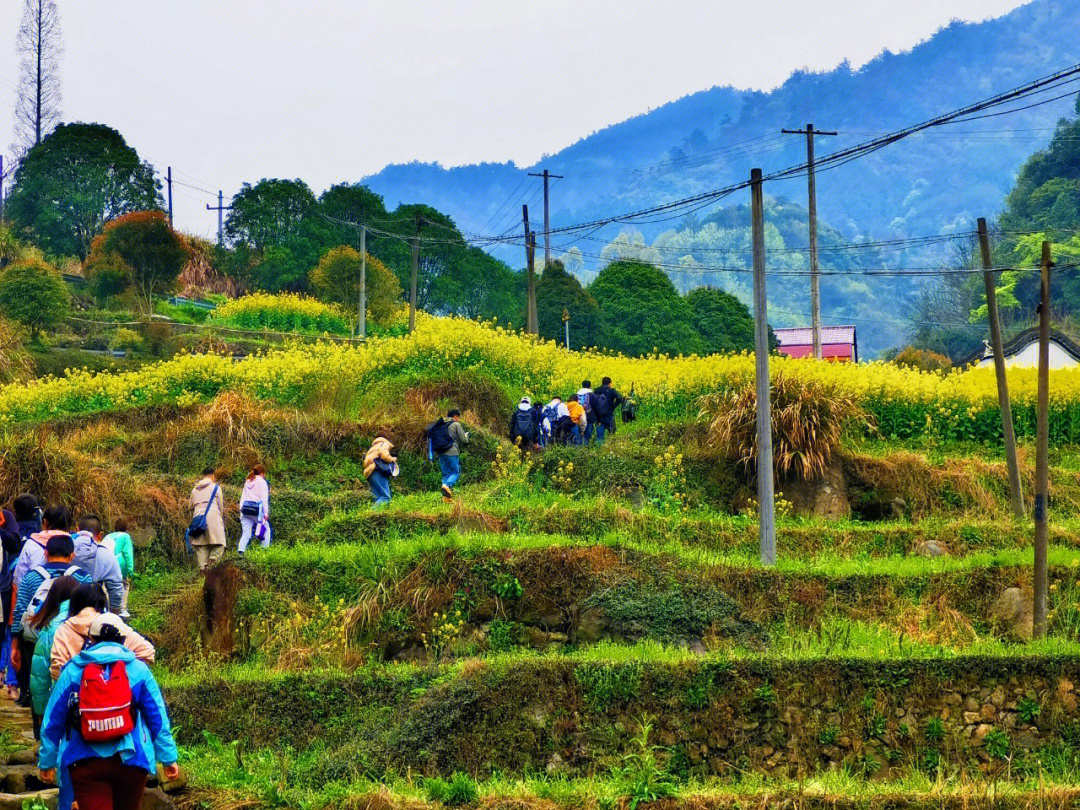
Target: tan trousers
{"x": 205, "y": 556}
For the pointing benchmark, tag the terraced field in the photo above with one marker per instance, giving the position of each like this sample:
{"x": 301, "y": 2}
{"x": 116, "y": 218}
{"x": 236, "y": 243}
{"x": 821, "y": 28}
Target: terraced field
{"x": 586, "y": 627}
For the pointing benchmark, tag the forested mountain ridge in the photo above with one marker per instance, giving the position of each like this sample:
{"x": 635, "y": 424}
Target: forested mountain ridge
{"x": 929, "y": 184}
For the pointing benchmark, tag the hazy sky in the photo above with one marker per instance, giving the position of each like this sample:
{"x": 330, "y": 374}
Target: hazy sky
{"x": 234, "y": 90}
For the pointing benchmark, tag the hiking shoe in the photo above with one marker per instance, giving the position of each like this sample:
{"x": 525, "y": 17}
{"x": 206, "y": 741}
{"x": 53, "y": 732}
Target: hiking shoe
{"x": 447, "y": 493}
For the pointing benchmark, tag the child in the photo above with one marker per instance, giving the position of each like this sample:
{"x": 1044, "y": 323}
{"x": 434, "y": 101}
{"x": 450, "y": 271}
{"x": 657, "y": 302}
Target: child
{"x": 119, "y": 543}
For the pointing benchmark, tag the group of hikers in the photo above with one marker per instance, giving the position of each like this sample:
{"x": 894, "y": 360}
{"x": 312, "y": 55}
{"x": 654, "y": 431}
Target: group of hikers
{"x": 205, "y": 536}
{"x": 584, "y": 416}
{"x": 70, "y": 657}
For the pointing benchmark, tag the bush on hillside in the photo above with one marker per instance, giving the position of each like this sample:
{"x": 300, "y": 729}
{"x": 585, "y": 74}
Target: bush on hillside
{"x": 284, "y": 312}
{"x": 33, "y": 294}
{"x": 808, "y": 421}
{"x": 336, "y": 279}
{"x": 15, "y": 363}
{"x": 921, "y": 359}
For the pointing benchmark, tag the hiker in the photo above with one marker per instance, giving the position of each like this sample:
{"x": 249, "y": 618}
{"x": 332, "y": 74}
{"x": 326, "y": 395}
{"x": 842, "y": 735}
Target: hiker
{"x": 380, "y": 465}
{"x": 11, "y": 540}
{"x": 28, "y": 517}
{"x": 578, "y": 420}
{"x": 585, "y": 400}
{"x": 113, "y": 741}
{"x": 88, "y": 602}
{"x": 445, "y": 438}
{"x": 118, "y": 541}
{"x": 605, "y": 400}
{"x": 255, "y": 509}
{"x": 52, "y": 612}
{"x": 523, "y": 430}
{"x": 55, "y": 521}
{"x": 207, "y": 503}
{"x": 557, "y": 421}
{"x": 98, "y": 560}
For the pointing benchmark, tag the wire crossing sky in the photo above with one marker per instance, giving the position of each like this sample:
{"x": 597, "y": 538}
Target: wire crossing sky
{"x": 333, "y": 90}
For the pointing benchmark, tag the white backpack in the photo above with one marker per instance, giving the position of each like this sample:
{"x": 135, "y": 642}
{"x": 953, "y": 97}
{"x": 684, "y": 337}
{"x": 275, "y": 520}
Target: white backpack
{"x": 29, "y": 632}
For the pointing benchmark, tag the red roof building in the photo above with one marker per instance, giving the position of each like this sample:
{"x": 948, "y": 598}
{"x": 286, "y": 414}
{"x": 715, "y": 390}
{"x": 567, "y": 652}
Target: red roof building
{"x": 838, "y": 343}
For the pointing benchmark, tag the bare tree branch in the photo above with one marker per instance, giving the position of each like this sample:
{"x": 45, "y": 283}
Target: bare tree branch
{"x": 37, "y": 106}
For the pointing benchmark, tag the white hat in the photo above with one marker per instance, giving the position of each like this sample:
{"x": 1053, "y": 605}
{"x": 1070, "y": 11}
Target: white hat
{"x": 107, "y": 620}
{"x": 526, "y": 401}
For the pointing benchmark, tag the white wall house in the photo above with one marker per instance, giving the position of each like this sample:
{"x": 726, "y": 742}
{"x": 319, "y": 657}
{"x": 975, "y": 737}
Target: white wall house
{"x": 1023, "y": 351}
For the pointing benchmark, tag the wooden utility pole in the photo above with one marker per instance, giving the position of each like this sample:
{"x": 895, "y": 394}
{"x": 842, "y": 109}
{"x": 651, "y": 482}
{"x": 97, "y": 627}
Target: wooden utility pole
{"x": 547, "y": 216}
{"x": 989, "y": 278}
{"x": 530, "y": 264}
{"x": 815, "y": 279}
{"x": 415, "y": 268}
{"x": 766, "y": 505}
{"x": 220, "y": 207}
{"x": 1042, "y": 442}
{"x": 168, "y": 183}
{"x": 361, "y": 306}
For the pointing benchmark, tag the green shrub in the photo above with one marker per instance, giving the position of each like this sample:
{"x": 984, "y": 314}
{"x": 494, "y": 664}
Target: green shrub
{"x": 997, "y": 743}
{"x": 460, "y": 789}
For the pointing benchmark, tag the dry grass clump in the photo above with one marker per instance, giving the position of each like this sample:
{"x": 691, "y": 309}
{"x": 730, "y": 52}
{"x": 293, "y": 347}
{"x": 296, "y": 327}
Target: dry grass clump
{"x": 809, "y": 419}
{"x": 927, "y": 488}
{"x": 935, "y": 622}
{"x": 15, "y": 364}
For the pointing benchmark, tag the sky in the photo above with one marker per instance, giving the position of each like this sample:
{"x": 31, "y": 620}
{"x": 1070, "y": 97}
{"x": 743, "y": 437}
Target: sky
{"x": 227, "y": 91}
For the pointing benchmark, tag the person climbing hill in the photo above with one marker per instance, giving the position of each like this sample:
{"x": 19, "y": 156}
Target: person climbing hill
{"x": 445, "y": 438}
{"x": 380, "y": 466}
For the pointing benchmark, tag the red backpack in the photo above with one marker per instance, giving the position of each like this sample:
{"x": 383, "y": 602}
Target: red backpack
{"x": 105, "y": 705}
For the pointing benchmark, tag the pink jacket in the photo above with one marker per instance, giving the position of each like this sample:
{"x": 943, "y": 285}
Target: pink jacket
{"x": 71, "y": 636}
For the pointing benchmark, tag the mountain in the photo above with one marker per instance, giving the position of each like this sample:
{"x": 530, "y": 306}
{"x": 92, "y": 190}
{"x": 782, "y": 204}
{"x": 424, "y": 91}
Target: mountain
{"x": 938, "y": 182}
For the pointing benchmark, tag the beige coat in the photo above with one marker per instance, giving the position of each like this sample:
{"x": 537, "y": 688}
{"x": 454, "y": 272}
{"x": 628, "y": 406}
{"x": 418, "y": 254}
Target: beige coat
{"x": 380, "y": 448}
{"x": 71, "y": 636}
{"x": 215, "y": 521}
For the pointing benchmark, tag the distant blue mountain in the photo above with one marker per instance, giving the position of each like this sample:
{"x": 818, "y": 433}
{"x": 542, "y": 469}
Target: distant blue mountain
{"x": 932, "y": 183}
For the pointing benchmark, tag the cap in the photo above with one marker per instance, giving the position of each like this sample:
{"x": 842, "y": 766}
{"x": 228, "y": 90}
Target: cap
{"x": 526, "y": 401}
{"x": 110, "y": 620}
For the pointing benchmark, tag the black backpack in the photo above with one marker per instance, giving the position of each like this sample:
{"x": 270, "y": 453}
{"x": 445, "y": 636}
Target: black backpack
{"x": 601, "y": 405}
{"x": 438, "y": 433}
{"x": 524, "y": 426}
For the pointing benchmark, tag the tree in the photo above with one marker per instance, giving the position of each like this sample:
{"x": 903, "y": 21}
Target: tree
{"x": 723, "y": 321}
{"x": 355, "y": 204}
{"x": 148, "y": 248}
{"x": 558, "y": 291}
{"x": 37, "y": 101}
{"x": 640, "y": 310}
{"x": 107, "y": 278}
{"x": 441, "y": 246}
{"x": 276, "y": 227}
{"x": 73, "y": 182}
{"x": 336, "y": 279}
{"x": 33, "y": 294}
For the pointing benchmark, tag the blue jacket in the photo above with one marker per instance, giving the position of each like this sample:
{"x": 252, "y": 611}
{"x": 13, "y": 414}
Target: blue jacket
{"x": 102, "y": 565}
{"x": 151, "y": 741}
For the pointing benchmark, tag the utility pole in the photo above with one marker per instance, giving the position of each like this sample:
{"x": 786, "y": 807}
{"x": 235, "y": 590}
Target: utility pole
{"x": 1, "y": 188}
{"x": 361, "y": 306}
{"x": 1007, "y": 430}
{"x": 1042, "y": 442}
{"x": 415, "y": 267}
{"x": 530, "y": 264}
{"x": 220, "y": 207}
{"x": 815, "y": 281}
{"x": 168, "y": 182}
{"x": 547, "y": 218}
{"x": 766, "y": 505}
{"x": 566, "y": 326}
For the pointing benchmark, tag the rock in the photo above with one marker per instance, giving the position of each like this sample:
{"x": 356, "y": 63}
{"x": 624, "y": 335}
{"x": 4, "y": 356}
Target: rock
{"x": 987, "y": 713}
{"x": 971, "y": 704}
{"x": 155, "y": 799}
{"x": 1013, "y": 613}
{"x": 825, "y": 497}
{"x": 997, "y": 697}
{"x": 24, "y": 756}
{"x": 697, "y": 647}
{"x": 174, "y": 786}
{"x": 980, "y": 733}
{"x": 591, "y": 625}
{"x": 931, "y": 549}
{"x": 554, "y": 764}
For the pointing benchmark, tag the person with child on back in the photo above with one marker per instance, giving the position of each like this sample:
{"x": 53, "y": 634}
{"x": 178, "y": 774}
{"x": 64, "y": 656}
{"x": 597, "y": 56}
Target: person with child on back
{"x": 98, "y": 560}
{"x": 524, "y": 430}
{"x": 380, "y": 467}
{"x": 33, "y": 590}
{"x": 206, "y": 534}
{"x": 106, "y": 721}
{"x": 255, "y": 509}
{"x": 445, "y": 438}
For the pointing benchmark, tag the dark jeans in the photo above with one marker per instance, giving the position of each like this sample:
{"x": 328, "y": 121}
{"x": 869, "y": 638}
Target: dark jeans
{"x": 107, "y": 784}
{"x": 26, "y": 650}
